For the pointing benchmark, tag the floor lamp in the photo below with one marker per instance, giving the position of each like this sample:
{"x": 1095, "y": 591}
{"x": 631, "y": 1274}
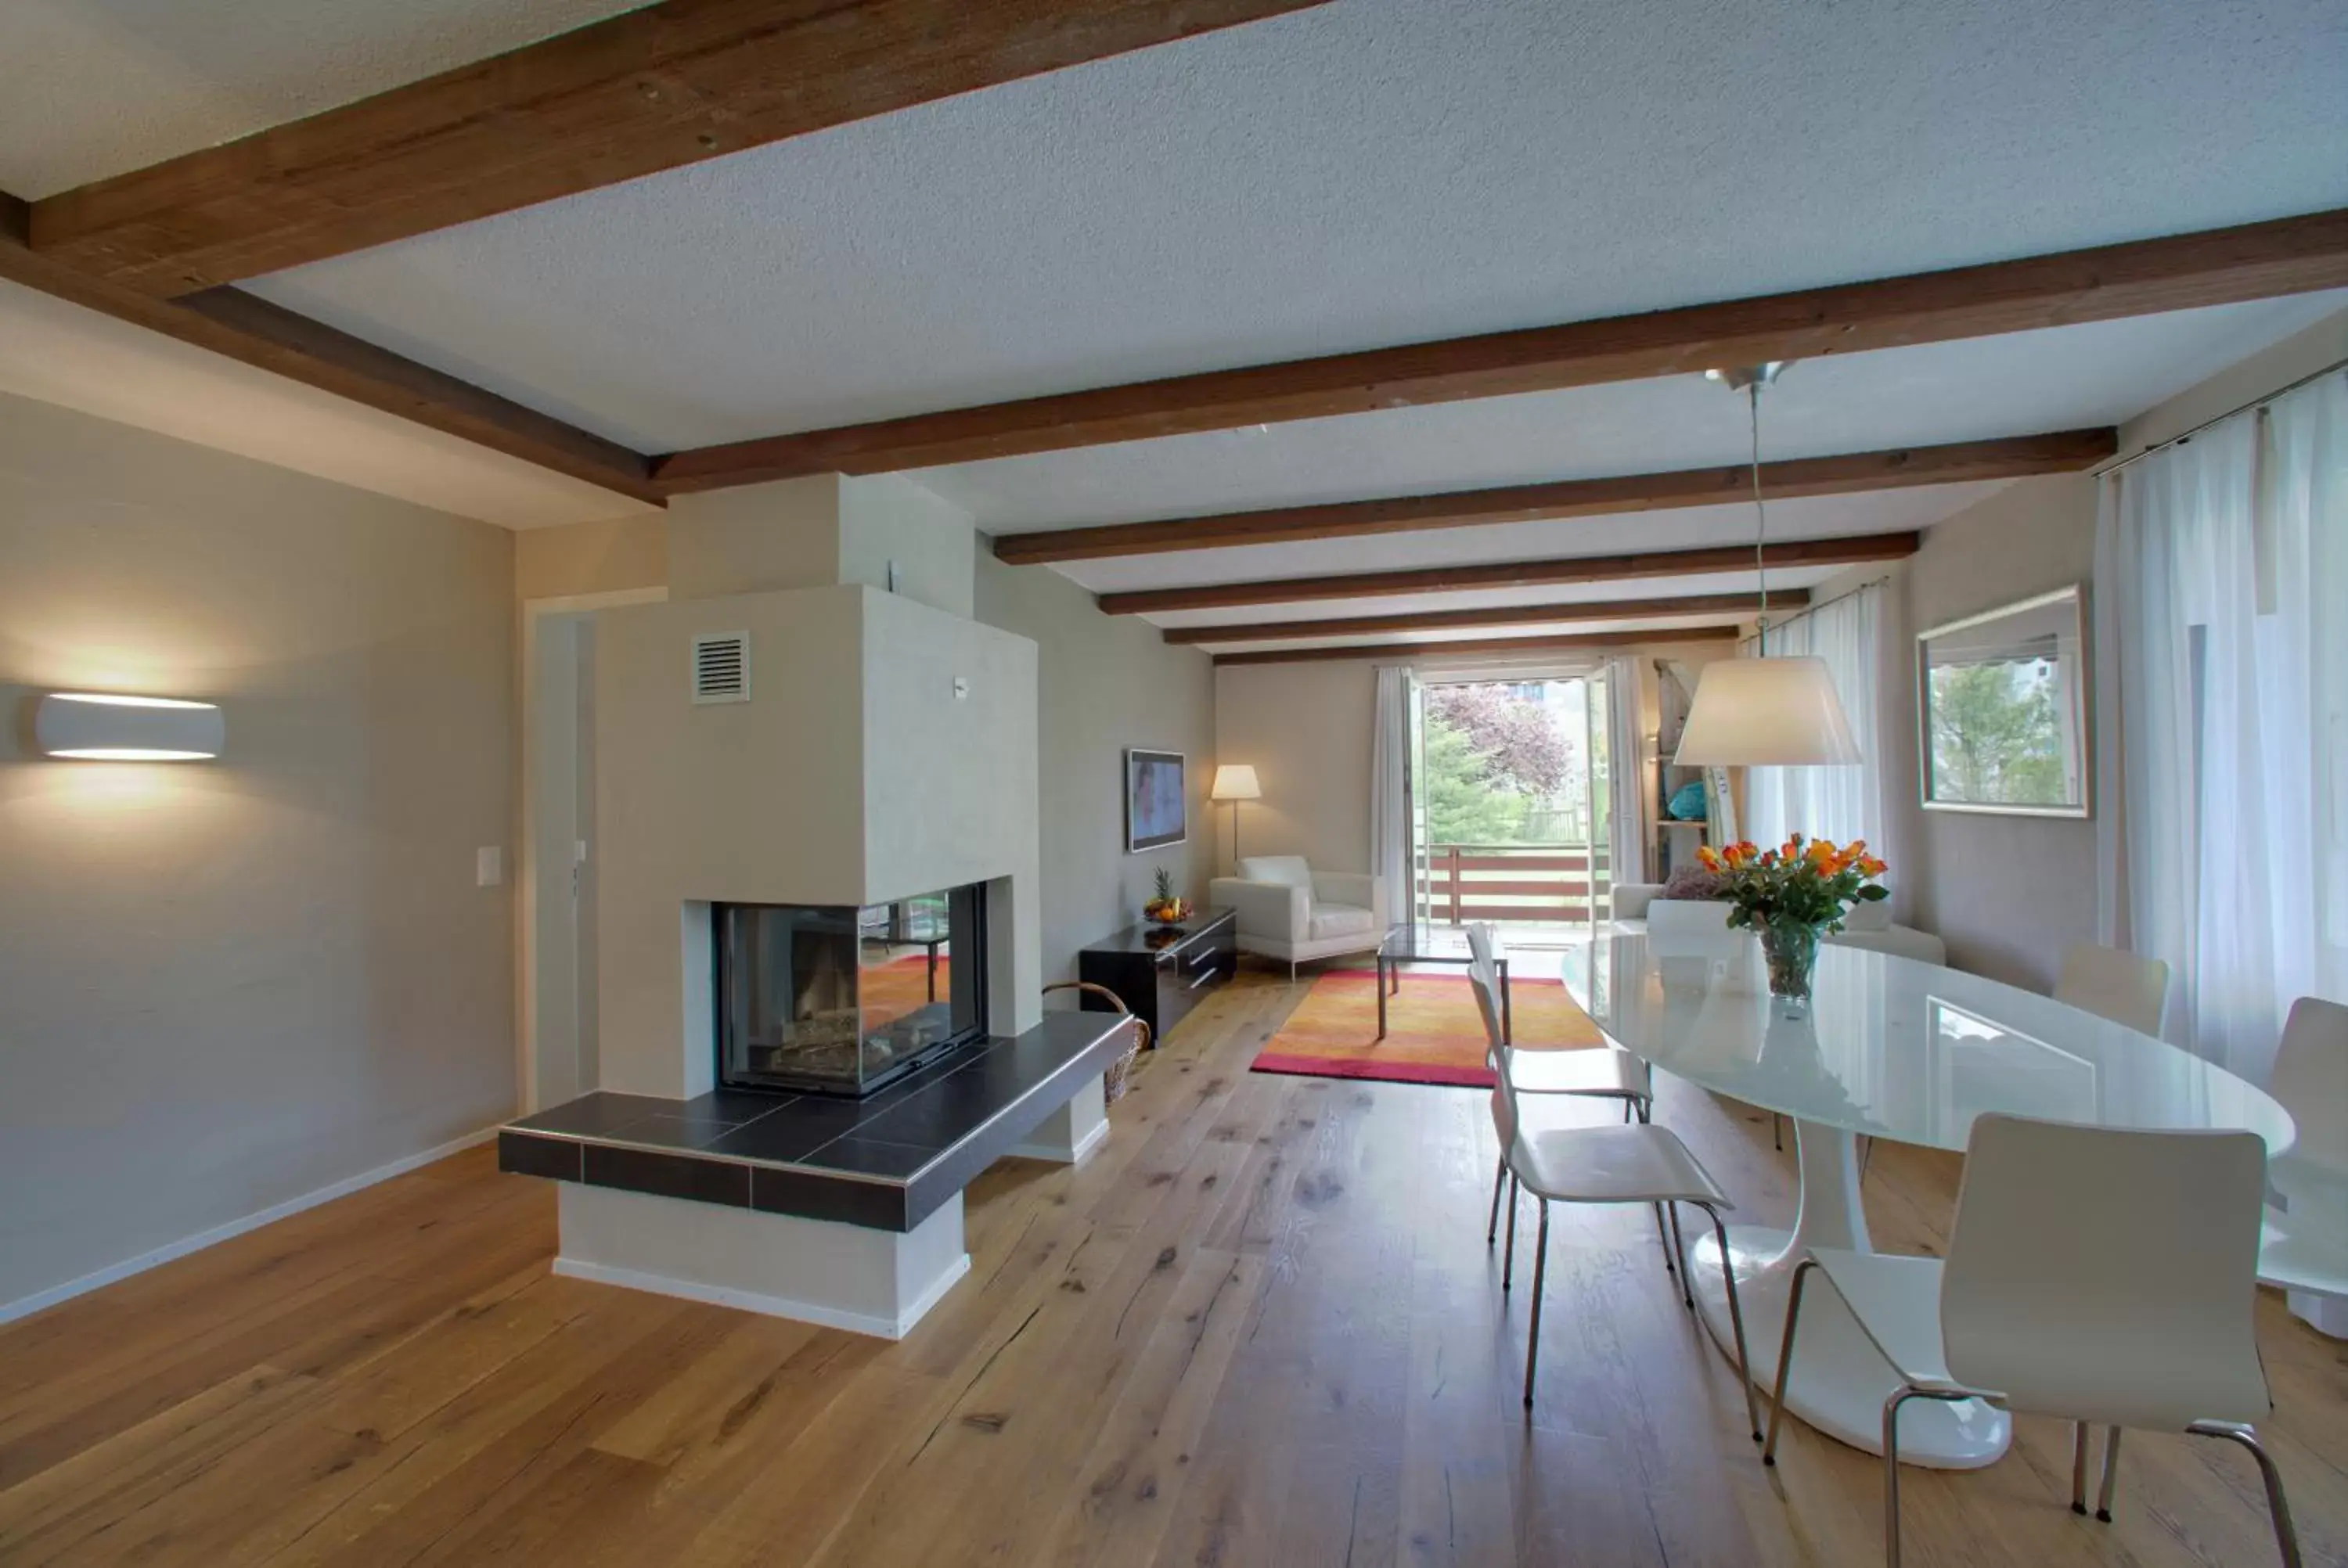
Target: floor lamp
{"x": 1235, "y": 782}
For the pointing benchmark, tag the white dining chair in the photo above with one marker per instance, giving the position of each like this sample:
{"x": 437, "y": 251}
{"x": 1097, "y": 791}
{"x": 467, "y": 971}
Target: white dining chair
{"x": 2126, "y": 988}
{"x": 2304, "y": 1250}
{"x": 1899, "y": 941}
{"x": 2099, "y": 1275}
{"x": 1596, "y": 1073}
{"x": 1635, "y": 1162}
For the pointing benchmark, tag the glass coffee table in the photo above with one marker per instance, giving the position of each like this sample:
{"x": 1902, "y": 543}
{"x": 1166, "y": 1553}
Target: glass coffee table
{"x": 1415, "y": 943}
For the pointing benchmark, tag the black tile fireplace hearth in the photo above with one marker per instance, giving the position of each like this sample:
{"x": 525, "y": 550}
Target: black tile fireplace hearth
{"x": 886, "y": 1161}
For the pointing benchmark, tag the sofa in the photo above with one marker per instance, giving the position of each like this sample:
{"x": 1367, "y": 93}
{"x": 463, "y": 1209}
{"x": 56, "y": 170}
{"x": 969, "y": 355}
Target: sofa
{"x": 1865, "y": 926}
{"x": 1291, "y": 913}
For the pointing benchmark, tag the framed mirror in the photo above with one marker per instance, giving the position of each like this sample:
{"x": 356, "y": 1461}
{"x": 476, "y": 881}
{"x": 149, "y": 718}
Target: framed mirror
{"x": 2002, "y": 709}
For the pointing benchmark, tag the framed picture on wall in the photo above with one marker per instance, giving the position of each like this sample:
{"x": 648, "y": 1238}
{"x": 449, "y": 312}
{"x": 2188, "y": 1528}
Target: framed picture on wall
{"x": 1156, "y": 805}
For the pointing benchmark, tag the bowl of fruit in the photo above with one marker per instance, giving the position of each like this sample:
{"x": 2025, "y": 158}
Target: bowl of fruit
{"x": 1164, "y": 908}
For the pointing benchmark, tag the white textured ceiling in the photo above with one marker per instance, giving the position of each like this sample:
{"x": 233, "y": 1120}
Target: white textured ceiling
{"x": 90, "y": 89}
{"x": 62, "y": 353}
{"x": 1646, "y": 587}
{"x": 2063, "y": 378}
{"x": 1826, "y": 517}
{"x": 1484, "y": 597}
{"x": 1369, "y": 172}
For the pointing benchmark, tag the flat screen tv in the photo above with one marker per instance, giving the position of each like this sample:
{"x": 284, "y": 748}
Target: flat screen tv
{"x": 1155, "y": 807}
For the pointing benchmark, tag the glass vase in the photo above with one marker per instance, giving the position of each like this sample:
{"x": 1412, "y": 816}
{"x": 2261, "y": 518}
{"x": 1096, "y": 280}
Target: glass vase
{"x": 1791, "y": 947}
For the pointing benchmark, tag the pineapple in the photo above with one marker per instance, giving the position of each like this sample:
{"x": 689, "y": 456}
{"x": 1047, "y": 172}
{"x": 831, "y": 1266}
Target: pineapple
{"x": 1165, "y": 906}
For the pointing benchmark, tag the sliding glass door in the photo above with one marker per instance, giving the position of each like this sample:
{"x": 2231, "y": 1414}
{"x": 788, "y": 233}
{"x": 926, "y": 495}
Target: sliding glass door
{"x": 1508, "y": 818}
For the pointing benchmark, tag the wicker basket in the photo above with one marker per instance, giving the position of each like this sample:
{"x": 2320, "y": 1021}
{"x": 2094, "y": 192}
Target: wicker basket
{"x": 1114, "y": 1079}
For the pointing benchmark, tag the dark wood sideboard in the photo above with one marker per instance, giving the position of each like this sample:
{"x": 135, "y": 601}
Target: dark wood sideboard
{"x": 1161, "y": 971}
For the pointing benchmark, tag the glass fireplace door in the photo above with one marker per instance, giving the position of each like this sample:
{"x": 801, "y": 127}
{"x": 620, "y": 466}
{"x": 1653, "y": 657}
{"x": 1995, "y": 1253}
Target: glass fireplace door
{"x": 841, "y": 999}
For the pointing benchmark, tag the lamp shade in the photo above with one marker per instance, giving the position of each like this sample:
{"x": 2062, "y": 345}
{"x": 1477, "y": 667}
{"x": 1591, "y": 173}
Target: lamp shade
{"x": 1766, "y": 712}
{"x": 1236, "y": 781}
{"x": 98, "y": 726}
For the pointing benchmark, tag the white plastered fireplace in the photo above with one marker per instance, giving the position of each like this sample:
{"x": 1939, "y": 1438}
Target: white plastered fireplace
{"x": 887, "y": 748}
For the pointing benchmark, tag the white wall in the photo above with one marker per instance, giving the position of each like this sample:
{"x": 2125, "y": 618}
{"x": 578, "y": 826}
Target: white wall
{"x": 224, "y": 986}
{"x": 1105, "y": 683}
{"x": 1309, "y": 728}
{"x": 2009, "y": 894}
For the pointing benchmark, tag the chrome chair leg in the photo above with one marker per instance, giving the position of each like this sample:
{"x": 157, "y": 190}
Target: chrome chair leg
{"x": 1735, "y": 1318}
{"x": 1499, "y": 1180}
{"x": 2286, "y": 1534}
{"x": 1679, "y": 1251}
{"x": 2079, "y": 1467}
{"x": 1785, "y": 1358}
{"x": 1778, "y": 1131}
{"x": 1891, "y": 1475}
{"x": 2111, "y": 1474}
{"x": 1899, "y": 1396}
{"x": 1508, "y": 1254}
{"x": 1532, "y": 1333}
{"x": 1663, "y": 1238}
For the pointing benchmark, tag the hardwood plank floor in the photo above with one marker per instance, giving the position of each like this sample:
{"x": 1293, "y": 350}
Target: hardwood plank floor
{"x": 1259, "y": 1326}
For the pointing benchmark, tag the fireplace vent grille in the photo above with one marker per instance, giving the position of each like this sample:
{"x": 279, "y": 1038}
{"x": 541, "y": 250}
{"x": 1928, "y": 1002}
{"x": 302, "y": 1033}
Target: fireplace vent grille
{"x": 721, "y": 667}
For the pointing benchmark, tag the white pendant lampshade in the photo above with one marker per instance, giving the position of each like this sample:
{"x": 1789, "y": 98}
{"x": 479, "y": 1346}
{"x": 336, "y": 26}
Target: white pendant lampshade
{"x": 108, "y": 727}
{"x": 1766, "y": 712}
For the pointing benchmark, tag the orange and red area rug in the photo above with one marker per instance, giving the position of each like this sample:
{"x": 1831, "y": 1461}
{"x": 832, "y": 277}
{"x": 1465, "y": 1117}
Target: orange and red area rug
{"x": 1434, "y": 1033}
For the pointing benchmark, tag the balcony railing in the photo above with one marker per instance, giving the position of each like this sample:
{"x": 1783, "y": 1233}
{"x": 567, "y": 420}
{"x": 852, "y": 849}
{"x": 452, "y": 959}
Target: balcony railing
{"x": 1551, "y": 883}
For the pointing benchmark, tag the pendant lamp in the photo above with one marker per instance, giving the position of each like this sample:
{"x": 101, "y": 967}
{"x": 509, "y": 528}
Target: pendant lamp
{"x": 1764, "y": 710}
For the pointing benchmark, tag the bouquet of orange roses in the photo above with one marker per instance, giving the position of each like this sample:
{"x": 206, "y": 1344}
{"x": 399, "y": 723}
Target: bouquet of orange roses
{"x": 1803, "y": 882}
{"x": 1791, "y": 894}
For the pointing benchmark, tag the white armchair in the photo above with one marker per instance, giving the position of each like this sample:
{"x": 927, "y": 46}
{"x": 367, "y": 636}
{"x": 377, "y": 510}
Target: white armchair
{"x": 1289, "y": 911}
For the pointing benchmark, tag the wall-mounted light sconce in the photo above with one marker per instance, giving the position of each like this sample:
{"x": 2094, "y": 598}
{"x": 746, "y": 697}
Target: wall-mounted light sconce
{"x": 101, "y": 726}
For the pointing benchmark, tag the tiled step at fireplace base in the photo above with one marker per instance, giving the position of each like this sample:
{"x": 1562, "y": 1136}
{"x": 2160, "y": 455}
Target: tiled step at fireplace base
{"x": 857, "y": 1277}
{"x": 886, "y": 1161}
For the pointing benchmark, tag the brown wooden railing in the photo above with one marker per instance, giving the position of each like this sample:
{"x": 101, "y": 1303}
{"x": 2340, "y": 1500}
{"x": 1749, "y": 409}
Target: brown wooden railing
{"x": 1500, "y": 882}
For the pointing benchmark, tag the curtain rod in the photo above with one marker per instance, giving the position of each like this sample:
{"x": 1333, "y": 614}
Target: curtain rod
{"x": 1853, "y": 592}
{"x": 2181, "y": 437}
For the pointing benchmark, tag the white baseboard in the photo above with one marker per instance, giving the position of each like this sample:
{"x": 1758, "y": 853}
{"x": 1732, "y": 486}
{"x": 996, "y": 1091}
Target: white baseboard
{"x": 25, "y": 1306}
{"x": 771, "y": 1305}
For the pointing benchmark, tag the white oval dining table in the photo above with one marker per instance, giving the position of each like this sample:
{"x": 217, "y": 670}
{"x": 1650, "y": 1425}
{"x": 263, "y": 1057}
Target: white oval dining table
{"x": 1890, "y": 1048}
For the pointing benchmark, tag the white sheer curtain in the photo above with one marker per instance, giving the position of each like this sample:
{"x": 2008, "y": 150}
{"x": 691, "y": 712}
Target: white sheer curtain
{"x": 2228, "y": 559}
{"x": 1837, "y": 802}
{"x": 1630, "y": 775}
{"x": 1390, "y": 789}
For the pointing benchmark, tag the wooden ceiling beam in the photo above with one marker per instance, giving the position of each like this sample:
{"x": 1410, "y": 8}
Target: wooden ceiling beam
{"x": 2256, "y": 261}
{"x": 250, "y": 330}
{"x": 1849, "y": 551}
{"x": 1496, "y": 615}
{"x": 1964, "y": 462}
{"x": 1562, "y": 642}
{"x": 669, "y": 84}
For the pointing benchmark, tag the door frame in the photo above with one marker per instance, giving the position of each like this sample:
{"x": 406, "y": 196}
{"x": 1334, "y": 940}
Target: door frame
{"x": 528, "y": 871}
{"x": 1592, "y": 674}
